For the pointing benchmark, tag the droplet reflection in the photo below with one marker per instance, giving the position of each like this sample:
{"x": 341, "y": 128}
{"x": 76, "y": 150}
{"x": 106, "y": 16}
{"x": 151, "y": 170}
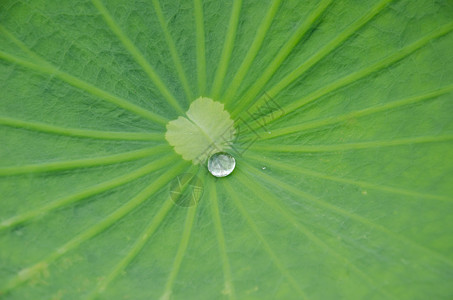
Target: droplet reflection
{"x": 221, "y": 164}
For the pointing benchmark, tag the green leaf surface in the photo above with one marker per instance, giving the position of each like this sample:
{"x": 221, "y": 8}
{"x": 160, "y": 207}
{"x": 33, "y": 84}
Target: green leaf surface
{"x": 342, "y": 110}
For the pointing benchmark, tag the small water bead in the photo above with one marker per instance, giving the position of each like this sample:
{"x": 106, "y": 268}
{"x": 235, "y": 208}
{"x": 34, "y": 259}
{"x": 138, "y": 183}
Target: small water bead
{"x": 221, "y": 164}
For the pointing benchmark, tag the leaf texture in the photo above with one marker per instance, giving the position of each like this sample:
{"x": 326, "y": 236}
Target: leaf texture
{"x": 343, "y": 187}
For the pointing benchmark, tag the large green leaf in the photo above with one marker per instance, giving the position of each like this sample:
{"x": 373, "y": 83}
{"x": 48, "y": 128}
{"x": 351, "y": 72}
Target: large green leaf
{"x": 343, "y": 114}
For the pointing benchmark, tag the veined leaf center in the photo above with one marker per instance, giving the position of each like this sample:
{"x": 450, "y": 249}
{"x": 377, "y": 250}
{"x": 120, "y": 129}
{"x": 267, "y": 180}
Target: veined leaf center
{"x": 206, "y": 129}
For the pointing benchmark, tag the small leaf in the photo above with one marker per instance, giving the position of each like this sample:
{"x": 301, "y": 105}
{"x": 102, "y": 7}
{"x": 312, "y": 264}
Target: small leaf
{"x": 207, "y": 129}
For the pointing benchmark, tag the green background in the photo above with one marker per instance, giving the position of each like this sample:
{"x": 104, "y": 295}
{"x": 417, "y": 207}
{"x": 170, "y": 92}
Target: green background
{"x": 346, "y": 195}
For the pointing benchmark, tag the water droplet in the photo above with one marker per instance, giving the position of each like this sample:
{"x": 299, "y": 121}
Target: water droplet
{"x": 221, "y": 164}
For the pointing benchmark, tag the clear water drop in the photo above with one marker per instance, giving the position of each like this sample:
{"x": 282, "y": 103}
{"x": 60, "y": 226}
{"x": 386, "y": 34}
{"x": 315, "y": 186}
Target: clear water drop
{"x": 221, "y": 164}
